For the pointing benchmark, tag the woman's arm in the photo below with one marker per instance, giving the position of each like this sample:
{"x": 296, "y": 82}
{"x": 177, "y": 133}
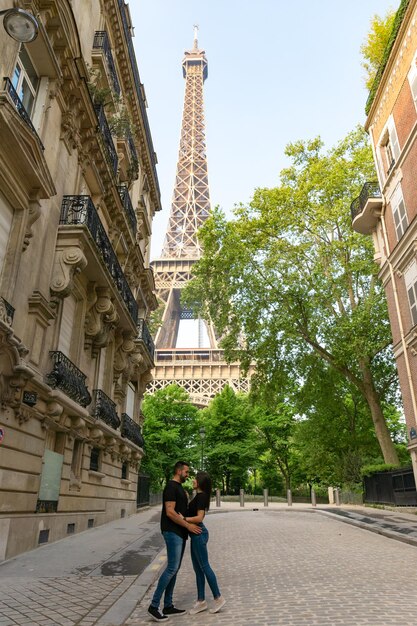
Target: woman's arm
{"x": 197, "y": 519}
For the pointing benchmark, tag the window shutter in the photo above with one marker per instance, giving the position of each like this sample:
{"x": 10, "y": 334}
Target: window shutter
{"x": 393, "y": 139}
{"x": 67, "y": 322}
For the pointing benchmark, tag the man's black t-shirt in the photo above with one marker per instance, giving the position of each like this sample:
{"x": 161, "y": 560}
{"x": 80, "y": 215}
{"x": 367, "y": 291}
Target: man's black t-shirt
{"x": 174, "y": 492}
{"x": 199, "y": 503}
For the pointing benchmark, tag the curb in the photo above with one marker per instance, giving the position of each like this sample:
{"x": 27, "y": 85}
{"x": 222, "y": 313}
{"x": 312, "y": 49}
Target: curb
{"x": 390, "y": 534}
{"x": 120, "y": 612}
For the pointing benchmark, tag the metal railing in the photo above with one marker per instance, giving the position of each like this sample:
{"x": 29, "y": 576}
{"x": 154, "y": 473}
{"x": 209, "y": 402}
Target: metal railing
{"x": 128, "y": 207}
{"x": 138, "y": 86}
{"x": 107, "y": 136}
{"x": 132, "y": 147}
{"x": 81, "y": 210}
{"x": 131, "y": 430}
{"x": 369, "y": 190}
{"x": 146, "y": 337}
{"x": 190, "y": 355}
{"x": 8, "y": 86}
{"x": 67, "y": 377}
{"x": 9, "y": 310}
{"x": 105, "y": 409}
{"x": 102, "y": 42}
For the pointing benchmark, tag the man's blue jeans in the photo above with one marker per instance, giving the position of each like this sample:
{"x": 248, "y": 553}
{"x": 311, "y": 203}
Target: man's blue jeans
{"x": 175, "y": 550}
{"x": 201, "y": 565}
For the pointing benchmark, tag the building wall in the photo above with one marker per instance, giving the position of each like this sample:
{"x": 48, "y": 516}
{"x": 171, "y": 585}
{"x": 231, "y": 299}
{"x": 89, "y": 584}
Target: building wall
{"x": 394, "y": 106}
{"x": 76, "y": 208}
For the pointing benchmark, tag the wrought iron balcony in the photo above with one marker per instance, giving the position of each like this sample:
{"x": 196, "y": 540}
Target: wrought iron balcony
{"x": 6, "y": 311}
{"x": 67, "y": 377}
{"x": 8, "y": 86}
{"x": 102, "y": 42}
{"x": 127, "y": 205}
{"x": 364, "y": 209}
{"x": 138, "y": 86}
{"x": 105, "y": 409}
{"x": 131, "y": 430}
{"x": 146, "y": 337}
{"x": 107, "y": 136}
{"x": 132, "y": 147}
{"x": 81, "y": 210}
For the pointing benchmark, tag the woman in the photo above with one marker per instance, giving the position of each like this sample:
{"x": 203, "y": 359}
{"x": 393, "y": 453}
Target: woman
{"x": 195, "y": 514}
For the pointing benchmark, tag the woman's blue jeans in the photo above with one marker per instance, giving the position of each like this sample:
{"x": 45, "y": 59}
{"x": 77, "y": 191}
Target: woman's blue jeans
{"x": 175, "y": 550}
{"x": 201, "y": 565}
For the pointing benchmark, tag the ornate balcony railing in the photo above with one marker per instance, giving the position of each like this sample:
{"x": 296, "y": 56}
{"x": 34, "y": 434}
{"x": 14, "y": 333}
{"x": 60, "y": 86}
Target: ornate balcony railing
{"x": 6, "y": 311}
{"x": 132, "y": 147}
{"x": 8, "y": 86}
{"x": 369, "y": 190}
{"x": 131, "y": 430}
{"x": 107, "y": 136}
{"x": 127, "y": 205}
{"x": 67, "y": 377}
{"x": 105, "y": 409}
{"x": 138, "y": 86}
{"x": 81, "y": 210}
{"x": 146, "y": 337}
{"x": 102, "y": 42}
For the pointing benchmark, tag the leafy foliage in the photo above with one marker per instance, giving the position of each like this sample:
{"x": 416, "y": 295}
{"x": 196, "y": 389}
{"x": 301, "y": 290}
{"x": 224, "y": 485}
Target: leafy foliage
{"x": 376, "y": 42}
{"x": 170, "y": 432}
{"x": 291, "y": 276}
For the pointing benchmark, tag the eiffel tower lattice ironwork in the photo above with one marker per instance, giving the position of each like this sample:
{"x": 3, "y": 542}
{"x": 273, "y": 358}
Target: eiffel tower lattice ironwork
{"x": 201, "y": 368}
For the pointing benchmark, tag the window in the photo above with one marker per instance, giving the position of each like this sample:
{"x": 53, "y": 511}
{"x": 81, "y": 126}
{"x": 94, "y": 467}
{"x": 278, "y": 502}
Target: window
{"x": 76, "y": 462}
{"x": 130, "y": 400}
{"x": 6, "y": 218}
{"x": 125, "y": 471}
{"x": 410, "y": 277}
{"x": 399, "y": 212}
{"x": 69, "y": 308}
{"x": 25, "y": 81}
{"x": 95, "y": 460}
{"x": 389, "y": 147}
{"x": 412, "y": 79}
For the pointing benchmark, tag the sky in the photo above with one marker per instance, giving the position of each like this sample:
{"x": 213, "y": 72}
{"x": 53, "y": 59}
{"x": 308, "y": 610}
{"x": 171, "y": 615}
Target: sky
{"x": 278, "y": 72}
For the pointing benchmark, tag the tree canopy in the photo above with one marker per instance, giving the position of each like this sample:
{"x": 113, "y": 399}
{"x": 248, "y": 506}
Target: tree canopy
{"x": 375, "y": 44}
{"x": 288, "y": 280}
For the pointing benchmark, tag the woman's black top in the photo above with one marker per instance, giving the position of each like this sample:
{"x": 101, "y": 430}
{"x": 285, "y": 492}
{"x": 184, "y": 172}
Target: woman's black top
{"x": 199, "y": 503}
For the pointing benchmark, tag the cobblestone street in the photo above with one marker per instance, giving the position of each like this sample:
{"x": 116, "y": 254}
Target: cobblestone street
{"x": 275, "y": 566}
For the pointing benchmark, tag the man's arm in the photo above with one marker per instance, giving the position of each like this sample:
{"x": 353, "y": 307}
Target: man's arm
{"x": 177, "y": 518}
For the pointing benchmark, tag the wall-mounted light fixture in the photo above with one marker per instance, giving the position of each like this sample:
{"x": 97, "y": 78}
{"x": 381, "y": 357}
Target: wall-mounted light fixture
{"x": 20, "y": 25}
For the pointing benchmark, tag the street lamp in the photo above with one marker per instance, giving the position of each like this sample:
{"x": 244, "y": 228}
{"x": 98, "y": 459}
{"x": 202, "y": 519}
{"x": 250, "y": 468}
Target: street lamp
{"x": 20, "y": 25}
{"x": 202, "y": 436}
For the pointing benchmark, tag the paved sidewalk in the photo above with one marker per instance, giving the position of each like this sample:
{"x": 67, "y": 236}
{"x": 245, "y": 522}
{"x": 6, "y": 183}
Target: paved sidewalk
{"x": 276, "y": 565}
{"x": 299, "y": 567}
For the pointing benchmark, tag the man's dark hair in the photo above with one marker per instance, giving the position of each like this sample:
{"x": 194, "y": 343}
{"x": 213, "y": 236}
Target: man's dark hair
{"x": 179, "y": 465}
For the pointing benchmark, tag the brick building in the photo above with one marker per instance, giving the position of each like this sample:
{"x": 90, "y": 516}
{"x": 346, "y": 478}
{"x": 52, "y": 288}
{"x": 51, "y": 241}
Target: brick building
{"x": 387, "y": 208}
{"x": 78, "y": 192}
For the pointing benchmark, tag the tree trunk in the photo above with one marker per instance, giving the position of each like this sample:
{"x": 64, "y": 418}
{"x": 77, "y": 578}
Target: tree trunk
{"x": 381, "y": 429}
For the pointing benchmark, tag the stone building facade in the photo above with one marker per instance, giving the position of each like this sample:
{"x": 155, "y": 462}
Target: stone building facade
{"x": 387, "y": 207}
{"x": 78, "y": 191}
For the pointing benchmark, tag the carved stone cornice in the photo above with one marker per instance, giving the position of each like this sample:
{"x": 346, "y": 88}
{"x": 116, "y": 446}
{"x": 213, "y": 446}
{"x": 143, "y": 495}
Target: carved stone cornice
{"x": 68, "y": 261}
{"x": 101, "y": 317}
{"x": 14, "y": 373}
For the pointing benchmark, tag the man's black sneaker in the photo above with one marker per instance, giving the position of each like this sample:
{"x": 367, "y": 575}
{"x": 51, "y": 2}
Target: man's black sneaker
{"x": 157, "y": 615}
{"x": 171, "y": 610}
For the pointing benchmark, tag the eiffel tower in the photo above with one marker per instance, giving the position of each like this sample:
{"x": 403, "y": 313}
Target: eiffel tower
{"x": 187, "y": 351}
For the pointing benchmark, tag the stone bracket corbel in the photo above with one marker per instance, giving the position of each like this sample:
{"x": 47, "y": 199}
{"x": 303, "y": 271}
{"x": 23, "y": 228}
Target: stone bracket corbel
{"x": 67, "y": 263}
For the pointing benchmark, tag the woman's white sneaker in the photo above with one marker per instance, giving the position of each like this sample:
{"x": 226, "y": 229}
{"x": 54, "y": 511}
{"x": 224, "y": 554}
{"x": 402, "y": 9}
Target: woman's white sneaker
{"x": 198, "y": 607}
{"x": 218, "y": 603}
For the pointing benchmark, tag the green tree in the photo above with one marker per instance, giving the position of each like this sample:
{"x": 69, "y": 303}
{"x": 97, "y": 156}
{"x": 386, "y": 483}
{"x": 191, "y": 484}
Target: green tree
{"x": 374, "y": 46}
{"x": 170, "y": 432}
{"x": 291, "y": 276}
{"x": 230, "y": 440}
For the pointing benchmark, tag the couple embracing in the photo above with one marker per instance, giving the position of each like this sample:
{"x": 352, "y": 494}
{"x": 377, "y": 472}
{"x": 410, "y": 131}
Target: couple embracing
{"x": 178, "y": 520}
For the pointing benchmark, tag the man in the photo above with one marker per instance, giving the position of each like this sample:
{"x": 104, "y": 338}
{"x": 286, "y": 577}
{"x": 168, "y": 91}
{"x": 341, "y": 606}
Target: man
{"x": 175, "y": 530}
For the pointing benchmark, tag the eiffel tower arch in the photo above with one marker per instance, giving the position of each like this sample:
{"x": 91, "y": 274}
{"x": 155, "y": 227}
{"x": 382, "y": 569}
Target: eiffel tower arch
{"x": 187, "y": 351}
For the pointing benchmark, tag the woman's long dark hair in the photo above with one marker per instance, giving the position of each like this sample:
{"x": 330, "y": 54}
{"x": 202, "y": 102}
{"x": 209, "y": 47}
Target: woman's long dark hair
{"x": 204, "y": 483}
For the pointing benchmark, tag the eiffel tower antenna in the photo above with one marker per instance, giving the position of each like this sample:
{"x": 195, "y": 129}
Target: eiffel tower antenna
{"x": 201, "y": 371}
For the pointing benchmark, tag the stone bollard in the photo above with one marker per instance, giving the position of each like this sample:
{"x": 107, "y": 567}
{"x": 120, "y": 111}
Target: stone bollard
{"x": 330, "y": 491}
{"x": 265, "y": 497}
{"x": 337, "y": 496}
{"x": 242, "y": 497}
{"x": 218, "y": 497}
{"x": 313, "y": 498}
{"x": 289, "y": 497}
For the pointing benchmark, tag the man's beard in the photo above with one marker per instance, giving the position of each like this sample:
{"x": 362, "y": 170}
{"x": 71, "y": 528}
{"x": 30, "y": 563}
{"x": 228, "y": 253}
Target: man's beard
{"x": 183, "y": 479}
